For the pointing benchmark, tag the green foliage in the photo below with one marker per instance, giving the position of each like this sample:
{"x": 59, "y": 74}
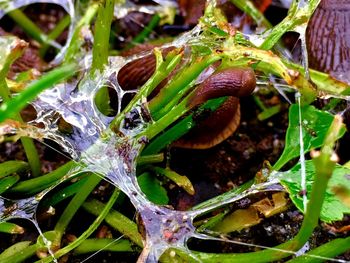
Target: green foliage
{"x": 10, "y": 228}
{"x": 64, "y": 193}
{"x": 10, "y": 49}
{"x": 315, "y": 124}
{"x": 95, "y": 244}
{"x": 9, "y": 109}
{"x": 181, "y": 180}
{"x": 18, "y": 252}
{"x": 102, "y": 101}
{"x": 8, "y": 182}
{"x": 11, "y": 167}
{"x": 152, "y": 188}
{"x": 117, "y": 220}
{"x": 333, "y": 208}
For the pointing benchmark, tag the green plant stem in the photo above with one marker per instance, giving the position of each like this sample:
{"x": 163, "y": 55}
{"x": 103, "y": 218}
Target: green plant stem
{"x": 104, "y": 244}
{"x": 140, "y": 38}
{"x": 101, "y": 36}
{"x": 28, "y": 26}
{"x": 155, "y": 128}
{"x": 323, "y": 81}
{"x": 76, "y": 41}
{"x": 180, "y": 85}
{"x": 72, "y": 189}
{"x": 216, "y": 201}
{"x": 119, "y": 222}
{"x": 163, "y": 69}
{"x": 324, "y": 168}
{"x": 74, "y": 205}
{"x": 115, "y": 219}
{"x": 249, "y": 8}
{"x": 10, "y": 167}
{"x": 11, "y": 228}
{"x": 297, "y": 16}
{"x": 150, "y": 159}
{"x": 10, "y": 108}
{"x": 87, "y": 232}
{"x": 64, "y": 193}
{"x": 329, "y": 250}
{"x": 8, "y": 56}
{"x": 179, "y": 129}
{"x": 55, "y": 33}
{"x": 7, "y": 182}
{"x": 268, "y": 113}
{"x": 38, "y": 184}
{"x": 32, "y": 155}
{"x": 22, "y": 254}
{"x": 28, "y": 144}
{"x": 35, "y": 185}
{"x": 238, "y": 56}
{"x": 179, "y": 180}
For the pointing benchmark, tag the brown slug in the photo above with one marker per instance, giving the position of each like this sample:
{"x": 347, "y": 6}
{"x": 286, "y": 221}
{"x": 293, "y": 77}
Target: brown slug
{"x": 218, "y": 125}
{"x": 328, "y": 39}
{"x": 222, "y": 123}
{"x": 134, "y": 74}
{"x": 236, "y": 82}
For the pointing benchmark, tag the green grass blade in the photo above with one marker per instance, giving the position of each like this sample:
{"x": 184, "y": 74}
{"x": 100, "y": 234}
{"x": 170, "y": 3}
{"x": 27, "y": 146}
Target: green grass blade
{"x": 10, "y": 108}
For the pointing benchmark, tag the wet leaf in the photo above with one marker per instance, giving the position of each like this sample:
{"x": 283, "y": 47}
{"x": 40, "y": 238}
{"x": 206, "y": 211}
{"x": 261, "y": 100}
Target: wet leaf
{"x": 18, "y": 130}
{"x": 7, "y": 182}
{"x": 43, "y": 241}
{"x": 102, "y": 101}
{"x": 22, "y": 80}
{"x": 11, "y": 167}
{"x": 343, "y": 193}
{"x": 115, "y": 219}
{"x": 16, "y": 104}
{"x": 333, "y": 207}
{"x": 315, "y": 124}
{"x": 152, "y": 188}
{"x": 11, "y": 228}
{"x": 268, "y": 207}
{"x": 238, "y": 220}
{"x": 253, "y": 215}
{"x": 10, "y": 49}
{"x": 14, "y": 249}
{"x": 181, "y": 180}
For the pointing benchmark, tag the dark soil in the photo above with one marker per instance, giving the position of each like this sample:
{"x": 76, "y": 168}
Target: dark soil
{"x": 234, "y": 161}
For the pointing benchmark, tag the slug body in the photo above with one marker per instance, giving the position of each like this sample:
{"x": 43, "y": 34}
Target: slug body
{"x": 222, "y": 123}
{"x": 216, "y": 126}
{"x": 236, "y": 82}
{"x": 328, "y": 39}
